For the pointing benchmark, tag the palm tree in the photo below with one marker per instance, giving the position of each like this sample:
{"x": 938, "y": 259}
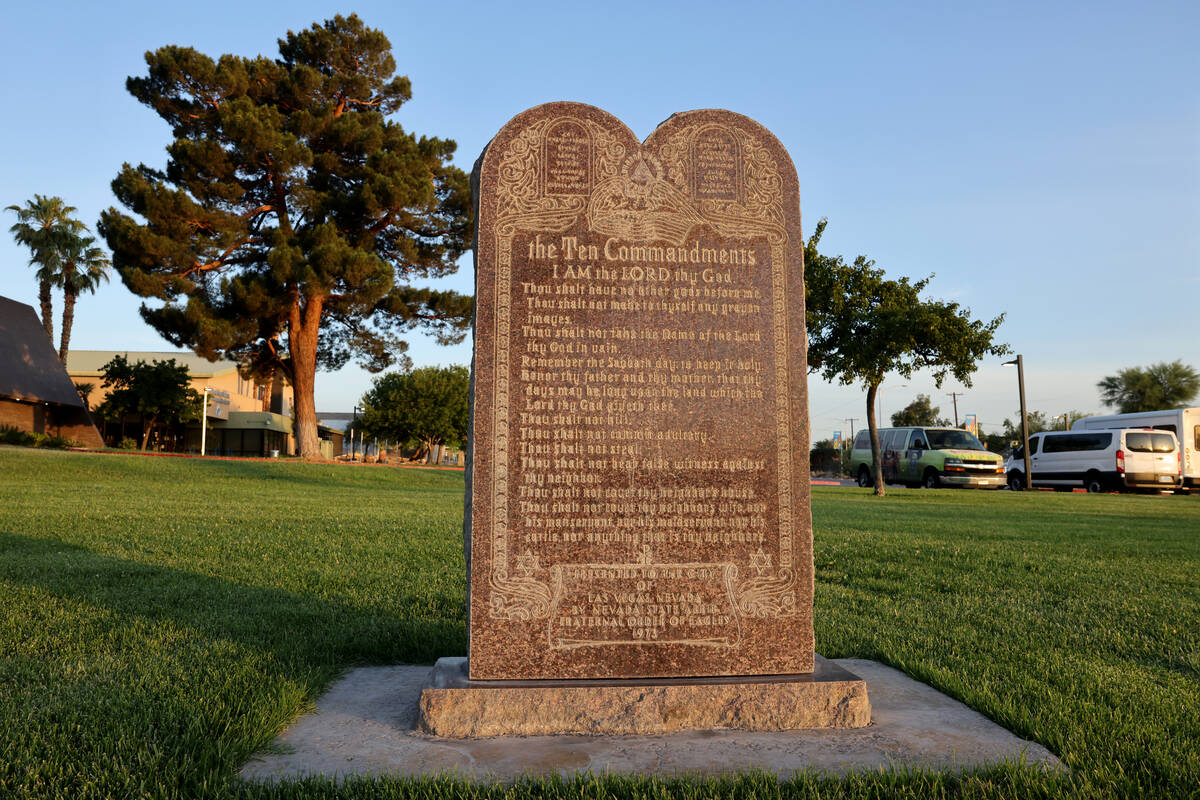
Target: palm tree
{"x": 82, "y": 267}
{"x": 85, "y": 390}
{"x": 42, "y": 225}
{"x": 1152, "y": 388}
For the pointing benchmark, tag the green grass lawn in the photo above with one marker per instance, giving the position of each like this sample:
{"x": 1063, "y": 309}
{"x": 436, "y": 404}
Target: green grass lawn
{"x": 164, "y": 618}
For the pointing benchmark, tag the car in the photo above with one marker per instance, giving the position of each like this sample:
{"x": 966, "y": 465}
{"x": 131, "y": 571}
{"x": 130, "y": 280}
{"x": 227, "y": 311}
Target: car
{"x": 1099, "y": 460}
{"x": 929, "y": 457}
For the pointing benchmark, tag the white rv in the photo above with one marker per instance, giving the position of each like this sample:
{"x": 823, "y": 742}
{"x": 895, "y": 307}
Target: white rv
{"x": 1183, "y": 422}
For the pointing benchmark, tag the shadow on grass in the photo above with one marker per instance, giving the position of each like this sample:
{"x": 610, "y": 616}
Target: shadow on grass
{"x": 300, "y": 630}
{"x": 322, "y": 476}
{"x": 138, "y": 680}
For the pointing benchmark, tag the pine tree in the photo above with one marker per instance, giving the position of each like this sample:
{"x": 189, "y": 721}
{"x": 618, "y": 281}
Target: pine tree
{"x": 293, "y": 213}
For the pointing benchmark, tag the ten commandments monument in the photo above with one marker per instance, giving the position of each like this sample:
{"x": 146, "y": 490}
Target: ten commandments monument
{"x": 638, "y": 494}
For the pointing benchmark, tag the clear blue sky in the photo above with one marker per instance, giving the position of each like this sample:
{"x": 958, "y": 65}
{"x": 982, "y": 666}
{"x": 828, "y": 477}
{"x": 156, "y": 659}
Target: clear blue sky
{"x": 1042, "y": 159}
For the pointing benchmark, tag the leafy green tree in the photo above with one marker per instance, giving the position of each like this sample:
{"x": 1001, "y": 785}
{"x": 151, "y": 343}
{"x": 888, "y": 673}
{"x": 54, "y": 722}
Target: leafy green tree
{"x": 1067, "y": 419}
{"x": 426, "y": 405}
{"x": 1038, "y": 421}
{"x": 45, "y": 225}
{"x": 293, "y": 214}
{"x": 82, "y": 266}
{"x": 824, "y": 457}
{"x": 862, "y": 326}
{"x": 996, "y": 442}
{"x": 159, "y": 392}
{"x": 921, "y": 411}
{"x": 1153, "y": 388}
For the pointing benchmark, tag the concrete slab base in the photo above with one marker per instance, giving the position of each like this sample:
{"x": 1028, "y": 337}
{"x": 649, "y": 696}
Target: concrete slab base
{"x": 366, "y": 724}
{"x": 454, "y": 706}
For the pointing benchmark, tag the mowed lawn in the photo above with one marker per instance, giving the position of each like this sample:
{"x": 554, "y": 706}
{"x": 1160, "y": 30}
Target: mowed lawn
{"x": 161, "y": 619}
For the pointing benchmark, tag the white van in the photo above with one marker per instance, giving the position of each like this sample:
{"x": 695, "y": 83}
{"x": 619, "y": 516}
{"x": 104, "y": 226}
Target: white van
{"x": 1100, "y": 461}
{"x": 1183, "y": 422}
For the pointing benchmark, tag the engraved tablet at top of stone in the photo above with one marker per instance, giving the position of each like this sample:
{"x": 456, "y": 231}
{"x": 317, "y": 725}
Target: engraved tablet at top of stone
{"x": 717, "y": 162}
{"x": 639, "y": 477}
{"x": 568, "y": 159}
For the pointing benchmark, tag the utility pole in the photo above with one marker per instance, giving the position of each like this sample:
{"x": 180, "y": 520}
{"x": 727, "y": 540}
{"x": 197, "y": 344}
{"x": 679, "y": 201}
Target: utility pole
{"x": 851, "y": 420}
{"x": 954, "y": 396}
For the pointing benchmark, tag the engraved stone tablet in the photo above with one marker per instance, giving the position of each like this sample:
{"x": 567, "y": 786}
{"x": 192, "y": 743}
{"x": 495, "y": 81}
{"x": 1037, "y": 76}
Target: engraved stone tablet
{"x": 638, "y": 485}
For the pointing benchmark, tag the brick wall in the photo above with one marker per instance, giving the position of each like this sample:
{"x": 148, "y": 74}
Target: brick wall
{"x": 74, "y": 423}
{"x": 19, "y": 415}
{"x": 71, "y": 423}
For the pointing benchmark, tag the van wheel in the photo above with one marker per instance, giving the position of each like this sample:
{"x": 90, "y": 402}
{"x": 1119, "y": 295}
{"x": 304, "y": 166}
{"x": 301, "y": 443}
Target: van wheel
{"x": 1093, "y": 483}
{"x": 932, "y": 480}
{"x": 864, "y": 477}
{"x": 1016, "y": 481}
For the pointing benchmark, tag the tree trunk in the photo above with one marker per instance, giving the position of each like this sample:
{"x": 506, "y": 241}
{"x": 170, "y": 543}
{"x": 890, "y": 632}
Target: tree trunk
{"x": 68, "y": 321}
{"x": 146, "y": 433}
{"x": 876, "y": 455}
{"x": 47, "y": 309}
{"x": 304, "y": 325}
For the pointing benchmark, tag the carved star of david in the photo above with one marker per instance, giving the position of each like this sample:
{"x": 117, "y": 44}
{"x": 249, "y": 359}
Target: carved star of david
{"x": 527, "y": 564}
{"x": 760, "y": 561}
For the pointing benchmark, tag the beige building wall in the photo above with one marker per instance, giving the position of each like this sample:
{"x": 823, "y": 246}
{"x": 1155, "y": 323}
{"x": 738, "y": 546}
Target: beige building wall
{"x": 86, "y": 366}
{"x": 241, "y": 413}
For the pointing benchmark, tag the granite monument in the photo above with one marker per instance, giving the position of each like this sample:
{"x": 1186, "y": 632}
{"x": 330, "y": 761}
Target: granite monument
{"x": 638, "y": 492}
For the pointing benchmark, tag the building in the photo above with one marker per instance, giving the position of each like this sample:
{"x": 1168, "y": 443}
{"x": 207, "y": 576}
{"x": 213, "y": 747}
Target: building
{"x": 36, "y": 394}
{"x": 245, "y": 417}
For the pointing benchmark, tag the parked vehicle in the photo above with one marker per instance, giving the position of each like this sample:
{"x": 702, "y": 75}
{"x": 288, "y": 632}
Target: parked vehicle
{"x": 1099, "y": 461}
{"x": 1183, "y": 422}
{"x": 929, "y": 457}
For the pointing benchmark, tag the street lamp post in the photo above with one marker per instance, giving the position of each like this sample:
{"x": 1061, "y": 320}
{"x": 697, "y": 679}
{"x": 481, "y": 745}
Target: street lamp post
{"x": 1020, "y": 362}
{"x": 353, "y": 428}
{"x": 204, "y": 421}
{"x": 879, "y": 403}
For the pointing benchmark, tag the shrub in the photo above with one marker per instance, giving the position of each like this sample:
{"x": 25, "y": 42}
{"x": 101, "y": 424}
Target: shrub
{"x": 60, "y": 442}
{"x": 127, "y": 444}
{"x": 13, "y": 435}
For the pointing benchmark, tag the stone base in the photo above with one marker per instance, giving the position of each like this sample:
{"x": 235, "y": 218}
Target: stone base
{"x": 455, "y": 707}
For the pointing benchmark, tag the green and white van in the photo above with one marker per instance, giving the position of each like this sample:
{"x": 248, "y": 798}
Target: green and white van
{"x": 929, "y": 457}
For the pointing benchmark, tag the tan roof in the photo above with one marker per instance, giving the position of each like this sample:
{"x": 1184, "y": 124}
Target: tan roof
{"x": 89, "y": 363}
{"x": 29, "y": 366}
